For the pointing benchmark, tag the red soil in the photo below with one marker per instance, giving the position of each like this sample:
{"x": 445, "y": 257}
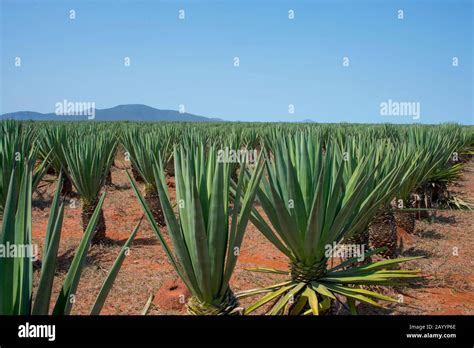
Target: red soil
{"x": 172, "y": 295}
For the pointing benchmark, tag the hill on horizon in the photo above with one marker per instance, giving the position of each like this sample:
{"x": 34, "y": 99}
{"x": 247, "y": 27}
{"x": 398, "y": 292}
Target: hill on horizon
{"x": 127, "y": 112}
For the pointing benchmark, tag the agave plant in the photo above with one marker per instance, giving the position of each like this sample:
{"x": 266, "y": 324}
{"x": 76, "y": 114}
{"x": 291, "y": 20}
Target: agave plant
{"x": 313, "y": 202}
{"x": 143, "y": 149}
{"x": 435, "y": 148}
{"x": 16, "y": 271}
{"x": 207, "y": 235}
{"x": 50, "y": 140}
{"x": 16, "y": 143}
{"x": 381, "y": 231}
{"x": 88, "y": 161}
{"x": 434, "y": 191}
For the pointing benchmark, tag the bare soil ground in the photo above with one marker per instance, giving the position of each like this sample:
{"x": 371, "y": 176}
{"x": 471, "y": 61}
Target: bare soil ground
{"x": 447, "y": 243}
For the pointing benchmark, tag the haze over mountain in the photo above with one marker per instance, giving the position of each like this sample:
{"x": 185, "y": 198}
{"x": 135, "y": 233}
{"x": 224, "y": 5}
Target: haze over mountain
{"x": 128, "y": 112}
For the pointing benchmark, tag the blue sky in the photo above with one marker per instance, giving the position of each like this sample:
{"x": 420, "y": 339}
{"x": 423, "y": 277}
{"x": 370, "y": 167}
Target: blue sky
{"x": 282, "y": 61}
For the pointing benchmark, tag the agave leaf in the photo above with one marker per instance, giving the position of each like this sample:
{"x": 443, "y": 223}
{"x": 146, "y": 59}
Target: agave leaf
{"x": 371, "y": 294}
{"x": 147, "y": 305}
{"x": 299, "y": 305}
{"x": 7, "y": 286}
{"x": 373, "y": 266}
{"x": 291, "y": 294}
{"x": 265, "y": 229}
{"x": 243, "y": 219}
{"x": 51, "y": 246}
{"x": 267, "y": 270}
{"x": 312, "y": 300}
{"x": 268, "y": 297}
{"x": 345, "y": 291}
{"x": 251, "y": 292}
{"x": 53, "y": 212}
{"x": 352, "y": 306}
{"x": 109, "y": 281}
{"x": 66, "y": 297}
{"x": 355, "y": 259}
{"x": 172, "y": 225}
{"x": 323, "y": 290}
{"x": 23, "y": 267}
{"x": 217, "y": 239}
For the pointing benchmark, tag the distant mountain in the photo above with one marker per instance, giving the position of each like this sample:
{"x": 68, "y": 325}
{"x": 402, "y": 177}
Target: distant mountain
{"x": 307, "y": 121}
{"x": 129, "y": 112}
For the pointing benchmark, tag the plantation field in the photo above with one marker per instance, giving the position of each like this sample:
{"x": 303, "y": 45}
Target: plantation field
{"x": 146, "y": 271}
{"x": 236, "y": 218}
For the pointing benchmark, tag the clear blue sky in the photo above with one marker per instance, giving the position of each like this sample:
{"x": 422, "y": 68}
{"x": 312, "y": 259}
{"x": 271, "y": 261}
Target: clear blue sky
{"x": 282, "y": 61}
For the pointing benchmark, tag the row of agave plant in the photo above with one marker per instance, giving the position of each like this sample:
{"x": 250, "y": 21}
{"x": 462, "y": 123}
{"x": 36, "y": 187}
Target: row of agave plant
{"x": 311, "y": 187}
{"x": 313, "y": 194}
{"x": 16, "y": 271}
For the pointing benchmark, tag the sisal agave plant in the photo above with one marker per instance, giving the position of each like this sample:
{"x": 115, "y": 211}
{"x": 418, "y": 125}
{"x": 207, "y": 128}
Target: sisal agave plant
{"x": 435, "y": 148}
{"x": 143, "y": 149}
{"x": 313, "y": 203}
{"x": 16, "y": 271}
{"x": 382, "y": 227}
{"x": 435, "y": 188}
{"x": 50, "y": 142}
{"x": 88, "y": 161}
{"x": 382, "y": 230}
{"x": 17, "y": 142}
{"x": 207, "y": 235}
